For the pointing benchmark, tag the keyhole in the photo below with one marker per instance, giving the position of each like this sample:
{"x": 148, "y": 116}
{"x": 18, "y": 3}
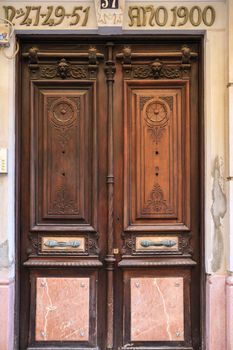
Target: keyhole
{"x": 156, "y": 152}
{"x": 63, "y": 152}
{"x": 63, "y": 174}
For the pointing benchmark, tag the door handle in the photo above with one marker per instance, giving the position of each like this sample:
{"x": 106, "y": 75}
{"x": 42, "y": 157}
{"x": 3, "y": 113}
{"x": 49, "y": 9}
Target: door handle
{"x": 165, "y": 243}
{"x": 53, "y": 244}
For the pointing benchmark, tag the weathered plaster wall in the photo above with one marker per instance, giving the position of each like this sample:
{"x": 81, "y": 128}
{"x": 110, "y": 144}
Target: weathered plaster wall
{"x": 7, "y": 202}
{"x": 215, "y": 150}
{"x": 7, "y": 182}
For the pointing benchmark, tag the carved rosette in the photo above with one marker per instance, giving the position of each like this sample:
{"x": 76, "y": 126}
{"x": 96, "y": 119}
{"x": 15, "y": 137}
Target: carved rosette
{"x": 63, "y": 114}
{"x": 156, "y": 114}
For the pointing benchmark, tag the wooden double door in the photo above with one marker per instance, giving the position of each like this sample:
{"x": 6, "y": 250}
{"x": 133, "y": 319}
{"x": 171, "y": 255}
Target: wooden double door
{"x": 110, "y": 193}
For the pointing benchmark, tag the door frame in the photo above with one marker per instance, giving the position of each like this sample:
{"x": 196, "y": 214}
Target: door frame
{"x": 198, "y": 38}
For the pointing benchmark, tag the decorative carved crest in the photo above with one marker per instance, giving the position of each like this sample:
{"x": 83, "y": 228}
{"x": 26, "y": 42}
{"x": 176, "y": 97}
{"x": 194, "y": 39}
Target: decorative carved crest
{"x": 63, "y": 69}
{"x": 156, "y": 67}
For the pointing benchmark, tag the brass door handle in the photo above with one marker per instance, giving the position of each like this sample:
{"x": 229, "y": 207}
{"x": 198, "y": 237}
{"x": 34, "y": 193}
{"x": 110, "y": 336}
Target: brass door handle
{"x": 53, "y": 244}
{"x": 165, "y": 243}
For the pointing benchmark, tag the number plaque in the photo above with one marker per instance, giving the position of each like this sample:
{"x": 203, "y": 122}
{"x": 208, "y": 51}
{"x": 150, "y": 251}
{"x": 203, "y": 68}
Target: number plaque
{"x": 109, "y": 4}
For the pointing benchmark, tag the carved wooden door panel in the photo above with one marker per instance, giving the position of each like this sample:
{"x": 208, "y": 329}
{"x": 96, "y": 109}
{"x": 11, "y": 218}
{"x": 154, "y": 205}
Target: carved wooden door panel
{"x": 109, "y": 194}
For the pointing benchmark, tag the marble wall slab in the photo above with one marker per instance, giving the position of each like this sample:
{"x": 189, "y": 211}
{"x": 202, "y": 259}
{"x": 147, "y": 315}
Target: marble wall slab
{"x": 216, "y": 312}
{"x": 62, "y": 309}
{"x": 229, "y": 312}
{"x": 7, "y": 314}
{"x": 157, "y": 311}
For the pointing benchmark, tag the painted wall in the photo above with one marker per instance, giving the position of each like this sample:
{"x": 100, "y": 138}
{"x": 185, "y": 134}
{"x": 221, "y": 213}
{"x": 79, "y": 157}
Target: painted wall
{"x": 218, "y": 97}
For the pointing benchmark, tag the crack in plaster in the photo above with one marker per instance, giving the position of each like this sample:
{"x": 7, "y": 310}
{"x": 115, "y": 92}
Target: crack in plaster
{"x": 218, "y": 211}
{"x": 5, "y": 262}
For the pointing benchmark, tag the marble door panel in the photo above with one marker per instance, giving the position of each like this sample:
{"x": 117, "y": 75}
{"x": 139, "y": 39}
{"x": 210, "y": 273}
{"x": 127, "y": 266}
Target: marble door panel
{"x": 62, "y": 309}
{"x": 157, "y": 311}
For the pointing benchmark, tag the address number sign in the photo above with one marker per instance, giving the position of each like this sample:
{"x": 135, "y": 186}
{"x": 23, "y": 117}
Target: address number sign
{"x": 109, "y": 4}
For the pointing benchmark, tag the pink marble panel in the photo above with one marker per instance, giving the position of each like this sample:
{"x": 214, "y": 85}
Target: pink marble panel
{"x": 62, "y": 309}
{"x": 157, "y": 309}
{"x": 229, "y": 301}
{"x": 216, "y": 313}
{"x": 6, "y": 314}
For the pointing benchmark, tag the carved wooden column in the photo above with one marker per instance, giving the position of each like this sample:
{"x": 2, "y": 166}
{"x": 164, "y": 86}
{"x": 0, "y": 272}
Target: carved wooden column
{"x": 110, "y": 260}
